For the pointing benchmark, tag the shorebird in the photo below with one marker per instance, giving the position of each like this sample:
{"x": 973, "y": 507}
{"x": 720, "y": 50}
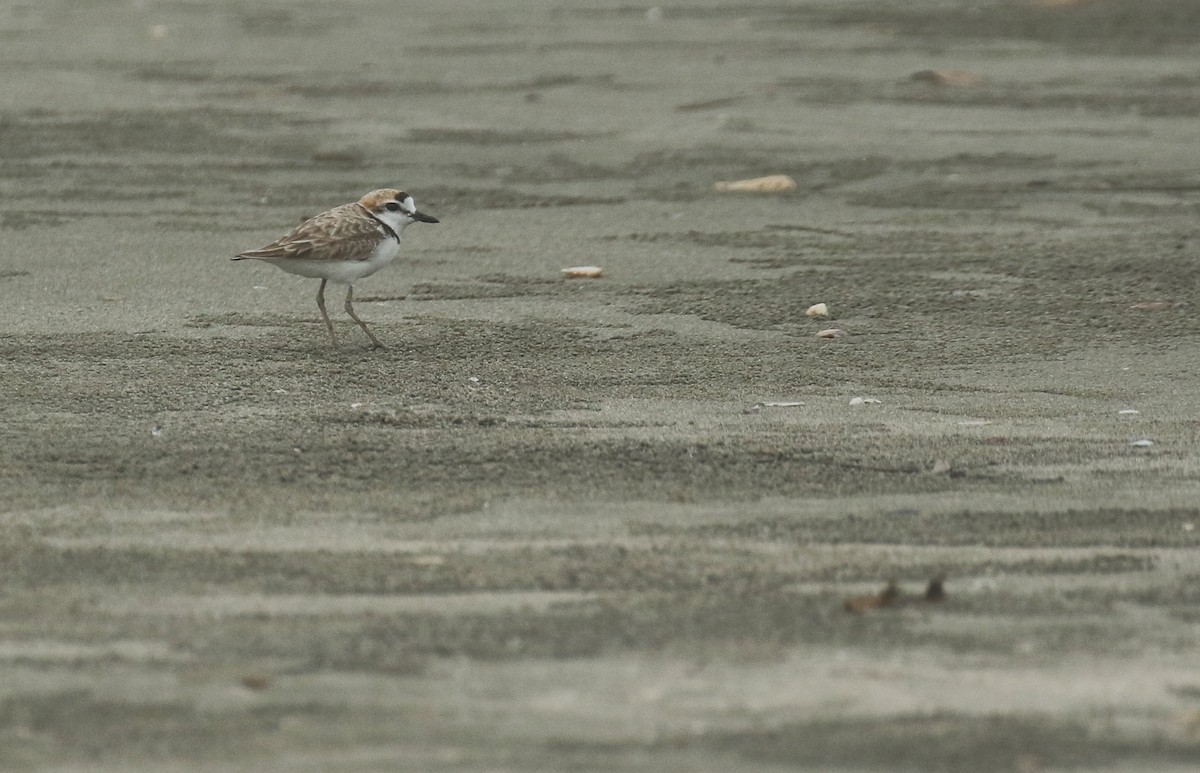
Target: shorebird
{"x": 344, "y": 244}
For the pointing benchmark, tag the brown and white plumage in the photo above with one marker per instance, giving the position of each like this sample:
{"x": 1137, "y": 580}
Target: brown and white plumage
{"x": 342, "y": 233}
{"x": 344, "y": 244}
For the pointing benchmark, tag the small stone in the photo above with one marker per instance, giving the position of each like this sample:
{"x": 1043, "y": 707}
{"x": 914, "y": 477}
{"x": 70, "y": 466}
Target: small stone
{"x": 888, "y": 597}
{"x": 256, "y": 682}
{"x": 344, "y": 156}
{"x": 833, "y": 332}
{"x": 953, "y": 78}
{"x": 817, "y": 310}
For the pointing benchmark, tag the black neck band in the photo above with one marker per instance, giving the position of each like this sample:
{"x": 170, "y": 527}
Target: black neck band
{"x": 382, "y": 224}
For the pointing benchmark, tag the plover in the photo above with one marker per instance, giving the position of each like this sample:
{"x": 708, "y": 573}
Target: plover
{"x": 345, "y": 244}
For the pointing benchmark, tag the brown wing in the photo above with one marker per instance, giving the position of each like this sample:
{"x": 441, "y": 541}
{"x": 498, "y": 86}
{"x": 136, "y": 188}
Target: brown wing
{"x": 342, "y": 233}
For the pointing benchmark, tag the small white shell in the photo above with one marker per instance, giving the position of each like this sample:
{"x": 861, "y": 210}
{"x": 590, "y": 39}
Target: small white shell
{"x": 1128, "y": 412}
{"x": 1141, "y": 443}
{"x": 781, "y": 405}
{"x": 583, "y": 272}
{"x": 865, "y": 401}
{"x": 771, "y": 184}
{"x": 833, "y": 332}
{"x": 817, "y": 310}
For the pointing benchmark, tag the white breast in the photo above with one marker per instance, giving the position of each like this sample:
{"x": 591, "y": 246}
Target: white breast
{"x": 343, "y": 271}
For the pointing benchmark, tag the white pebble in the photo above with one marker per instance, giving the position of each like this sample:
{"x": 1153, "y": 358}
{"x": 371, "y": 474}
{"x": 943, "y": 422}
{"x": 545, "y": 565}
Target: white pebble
{"x": 583, "y": 272}
{"x": 1142, "y": 443}
{"x": 771, "y": 184}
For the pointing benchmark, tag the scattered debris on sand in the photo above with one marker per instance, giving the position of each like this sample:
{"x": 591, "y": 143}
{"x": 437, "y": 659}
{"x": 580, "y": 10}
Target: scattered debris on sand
{"x": 952, "y": 78}
{"x": 583, "y": 272}
{"x": 891, "y": 596}
{"x": 775, "y": 183}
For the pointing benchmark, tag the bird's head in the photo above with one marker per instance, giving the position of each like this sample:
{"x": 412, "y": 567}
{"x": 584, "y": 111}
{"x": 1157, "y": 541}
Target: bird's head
{"x": 396, "y": 208}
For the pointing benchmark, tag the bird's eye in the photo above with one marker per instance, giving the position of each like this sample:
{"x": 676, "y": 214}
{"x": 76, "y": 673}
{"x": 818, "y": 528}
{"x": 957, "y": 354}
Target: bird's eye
{"x": 392, "y": 206}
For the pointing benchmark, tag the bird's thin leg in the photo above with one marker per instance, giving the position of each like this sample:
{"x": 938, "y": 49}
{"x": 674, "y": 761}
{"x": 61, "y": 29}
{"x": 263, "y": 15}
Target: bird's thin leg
{"x": 353, "y": 316}
{"x": 325, "y": 314}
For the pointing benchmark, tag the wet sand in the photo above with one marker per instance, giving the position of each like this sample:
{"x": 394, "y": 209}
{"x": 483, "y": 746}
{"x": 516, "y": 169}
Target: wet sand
{"x": 558, "y": 524}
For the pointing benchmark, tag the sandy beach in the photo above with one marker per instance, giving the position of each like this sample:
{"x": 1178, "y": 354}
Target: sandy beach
{"x": 602, "y": 524}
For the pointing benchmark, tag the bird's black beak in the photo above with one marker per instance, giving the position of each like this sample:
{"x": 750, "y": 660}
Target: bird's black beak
{"x": 421, "y": 217}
